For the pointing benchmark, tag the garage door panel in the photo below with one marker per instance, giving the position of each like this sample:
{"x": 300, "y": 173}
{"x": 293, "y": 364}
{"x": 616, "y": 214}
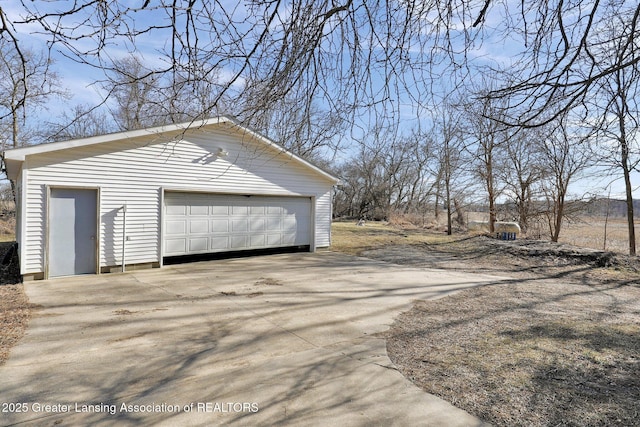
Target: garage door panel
{"x": 257, "y": 224}
{"x": 219, "y": 244}
{"x": 256, "y": 240}
{"x": 257, "y": 210}
{"x": 274, "y": 224}
{"x": 299, "y": 240}
{"x": 176, "y": 210}
{"x": 178, "y": 227}
{"x": 239, "y": 225}
{"x": 303, "y": 224}
{"x": 289, "y": 224}
{"x": 219, "y": 210}
{"x": 289, "y": 239}
{"x": 175, "y": 246}
{"x": 274, "y": 210}
{"x": 202, "y": 209}
{"x": 219, "y": 225}
{"x": 200, "y": 223}
{"x": 240, "y": 210}
{"x": 239, "y": 242}
{"x": 274, "y": 239}
{"x": 199, "y": 226}
{"x": 200, "y": 244}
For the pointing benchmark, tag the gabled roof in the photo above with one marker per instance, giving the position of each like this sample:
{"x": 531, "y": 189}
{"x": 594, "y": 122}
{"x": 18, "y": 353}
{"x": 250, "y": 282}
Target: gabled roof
{"x": 13, "y": 158}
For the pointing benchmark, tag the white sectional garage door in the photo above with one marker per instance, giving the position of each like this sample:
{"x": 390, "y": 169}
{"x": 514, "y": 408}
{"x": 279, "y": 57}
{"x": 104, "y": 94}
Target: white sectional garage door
{"x": 201, "y": 223}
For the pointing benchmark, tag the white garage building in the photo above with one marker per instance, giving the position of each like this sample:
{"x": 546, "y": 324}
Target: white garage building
{"x": 136, "y": 198}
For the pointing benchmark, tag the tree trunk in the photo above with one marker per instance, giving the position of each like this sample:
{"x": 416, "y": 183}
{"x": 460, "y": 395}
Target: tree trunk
{"x": 459, "y": 212}
{"x": 523, "y": 208}
{"x": 449, "y": 222}
{"x": 14, "y": 137}
{"x": 558, "y": 217}
{"x": 492, "y": 214}
{"x": 631, "y": 225}
{"x": 447, "y": 186}
{"x": 14, "y": 128}
{"x": 491, "y": 192}
{"x": 629, "y": 198}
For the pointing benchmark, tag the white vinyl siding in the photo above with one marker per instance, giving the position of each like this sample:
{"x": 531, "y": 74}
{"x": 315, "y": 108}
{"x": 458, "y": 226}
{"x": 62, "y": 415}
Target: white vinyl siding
{"x": 323, "y": 214}
{"x": 135, "y": 171}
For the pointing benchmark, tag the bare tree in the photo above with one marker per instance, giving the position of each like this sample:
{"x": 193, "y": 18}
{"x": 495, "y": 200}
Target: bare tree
{"x": 488, "y": 139}
{"x": 80, "y": 121}
{"x": 561, "y": 61}
{"x": 134, "y": 89}
{"x": 26, "y": 83}
{"x": 449, "y": 149}
{"x": 363, "y": 193}
{"x": 423, "y": 153}
{"x": 388, "y": 175}
{"x": 523, "y": 171}
{"x": 565, "y": 157}
{"x": 349, "y": 55}
{"x": 306, "y": 130}
{"x": 618, "y": 110}
{"x": 363, "y": 62}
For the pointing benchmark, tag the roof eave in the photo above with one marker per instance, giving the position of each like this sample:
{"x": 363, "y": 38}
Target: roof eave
{"x": 19, "y": 154}
{"x": 12, "y": 168}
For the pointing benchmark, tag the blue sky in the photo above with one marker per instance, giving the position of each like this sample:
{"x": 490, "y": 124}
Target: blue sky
{"x": 80, "y": 80}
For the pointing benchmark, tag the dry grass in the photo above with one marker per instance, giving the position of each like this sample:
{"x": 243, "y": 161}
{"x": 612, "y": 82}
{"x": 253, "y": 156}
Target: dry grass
{"x": 7, "y": 228}
{"x": 14, "y": 317}
{"x": 528, "y": 355}
{"x": 352, "y": 239}
{"x": 584, "y": 231}
{"x": 558, "y": 345}
{"x": 589, "y": 232}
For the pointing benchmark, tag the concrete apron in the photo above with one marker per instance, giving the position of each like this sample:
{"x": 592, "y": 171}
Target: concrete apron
{"x": 289, "y": 339}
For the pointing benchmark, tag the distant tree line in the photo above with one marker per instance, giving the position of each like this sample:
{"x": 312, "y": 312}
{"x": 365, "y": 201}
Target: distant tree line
{"x": 465, "y": 158}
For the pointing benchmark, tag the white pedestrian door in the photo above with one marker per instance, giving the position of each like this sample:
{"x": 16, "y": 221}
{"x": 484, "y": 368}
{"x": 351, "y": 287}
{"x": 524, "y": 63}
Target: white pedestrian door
{"x": 72, "y": 231}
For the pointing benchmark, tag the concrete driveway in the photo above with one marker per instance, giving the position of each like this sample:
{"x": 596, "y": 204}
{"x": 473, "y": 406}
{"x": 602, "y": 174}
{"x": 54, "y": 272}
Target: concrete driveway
{"x": 289, "y": 339}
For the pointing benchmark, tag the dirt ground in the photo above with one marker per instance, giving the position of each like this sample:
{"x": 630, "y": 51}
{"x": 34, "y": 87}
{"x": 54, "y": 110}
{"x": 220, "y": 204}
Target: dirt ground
{"x": 14, "y": 305}
{"x": 523, "y": 259}
{"x": 556, "y": 343}
{"x": 528, "y": 354}
{"x": 15, "y": 313}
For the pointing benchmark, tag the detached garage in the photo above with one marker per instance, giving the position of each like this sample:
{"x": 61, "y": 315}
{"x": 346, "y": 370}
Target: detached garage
{"x": 135, "y": 199}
